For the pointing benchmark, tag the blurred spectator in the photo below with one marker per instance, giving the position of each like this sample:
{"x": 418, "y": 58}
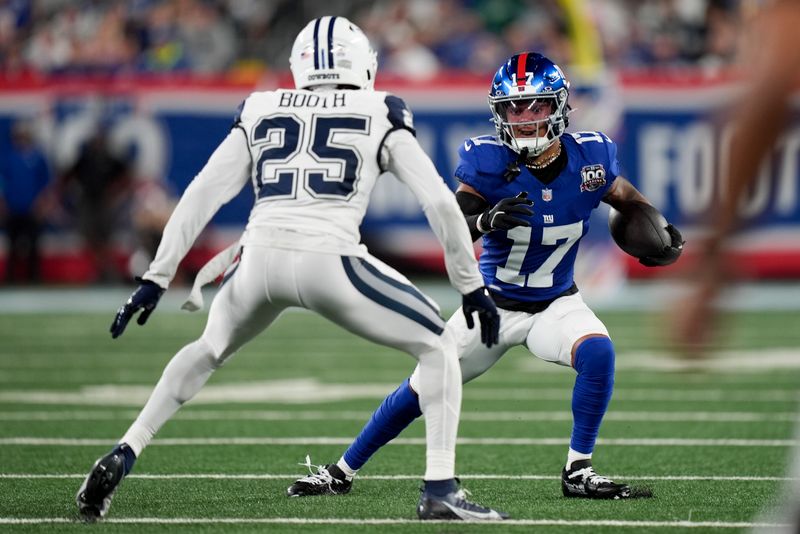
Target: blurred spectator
{"x": 416, "y": 38}
{"x": 209, "y": 40}
{"x": 98, "y": 185}
{"x": 24, "y": 177}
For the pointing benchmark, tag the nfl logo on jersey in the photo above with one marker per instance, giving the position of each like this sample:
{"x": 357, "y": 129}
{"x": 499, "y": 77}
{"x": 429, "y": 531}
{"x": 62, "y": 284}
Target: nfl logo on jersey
{"x": 547, "y": 195}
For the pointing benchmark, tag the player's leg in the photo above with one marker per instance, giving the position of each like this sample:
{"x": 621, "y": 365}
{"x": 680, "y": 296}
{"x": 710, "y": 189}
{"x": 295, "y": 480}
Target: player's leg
{"x": 239, "y": 312}
{"x": 373, "y": 300}
{"x": 569, "y": 333}
{"x": 401, "y": 407}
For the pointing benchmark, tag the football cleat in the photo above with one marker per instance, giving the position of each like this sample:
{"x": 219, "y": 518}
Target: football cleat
{"x": 582, "y": 481}
{"x": 328, "y": 480}
{"x": 455, "y": 507}
{"x": 95, "y": 494}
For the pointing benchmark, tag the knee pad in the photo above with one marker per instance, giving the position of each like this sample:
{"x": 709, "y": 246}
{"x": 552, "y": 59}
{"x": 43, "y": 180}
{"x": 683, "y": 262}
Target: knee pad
{"x": 595, "y": 356}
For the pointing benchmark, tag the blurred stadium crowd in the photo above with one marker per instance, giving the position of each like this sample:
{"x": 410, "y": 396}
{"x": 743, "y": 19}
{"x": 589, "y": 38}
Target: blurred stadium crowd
{"x": 95, "y": 195}
{"x": 416, "y": 38}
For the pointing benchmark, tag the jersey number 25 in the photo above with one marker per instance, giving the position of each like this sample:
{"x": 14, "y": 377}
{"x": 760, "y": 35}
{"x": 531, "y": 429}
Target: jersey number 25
{"x": 281, "y": 138}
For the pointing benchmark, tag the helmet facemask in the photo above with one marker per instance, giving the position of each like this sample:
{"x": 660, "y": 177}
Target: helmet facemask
{"x": 530, "y": 121}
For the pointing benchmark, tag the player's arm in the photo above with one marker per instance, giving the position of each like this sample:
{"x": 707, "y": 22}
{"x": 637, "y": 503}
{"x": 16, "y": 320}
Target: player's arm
{"x": 406, "y": 160}
{"x": 218, "y": 182}
{"x": 413, "y": 167}
{"x": 483, "y": 218}
{"x": 622, "y": 193}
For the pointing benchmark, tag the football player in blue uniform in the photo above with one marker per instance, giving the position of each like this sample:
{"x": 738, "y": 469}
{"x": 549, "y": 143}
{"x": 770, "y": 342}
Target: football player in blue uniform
{"x": 528, "y": 191}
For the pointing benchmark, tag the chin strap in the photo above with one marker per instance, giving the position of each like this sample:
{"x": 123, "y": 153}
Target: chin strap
{"x": 512, "y": 169}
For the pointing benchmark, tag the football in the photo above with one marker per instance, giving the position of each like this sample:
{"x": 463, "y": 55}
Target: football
{"x": 639, "y": 229}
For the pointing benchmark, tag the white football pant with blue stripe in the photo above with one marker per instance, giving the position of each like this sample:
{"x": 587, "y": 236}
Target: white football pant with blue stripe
{"x": 361, "y": 294}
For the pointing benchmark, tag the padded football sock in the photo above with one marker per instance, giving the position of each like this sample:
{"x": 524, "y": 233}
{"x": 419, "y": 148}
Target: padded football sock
{"x": 182, "y": 378}
{"x": 440, "y": 488}
{"x": 574, "y": 456}
{"x": 440, "y": 402}
{"x": 594, "y": 362}
{"x": 128, "y": 454}
{"x": 395, "y": 413}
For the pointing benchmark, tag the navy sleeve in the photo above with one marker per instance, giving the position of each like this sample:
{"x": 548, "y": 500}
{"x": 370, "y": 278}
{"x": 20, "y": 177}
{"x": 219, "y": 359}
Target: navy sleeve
{"x": 399, "y": 114}
{"x": 237, "y": 118}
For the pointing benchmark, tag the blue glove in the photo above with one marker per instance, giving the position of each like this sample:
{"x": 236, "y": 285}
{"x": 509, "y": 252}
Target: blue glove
{"x": 145, "y": 298}
{"x": 480, "y": 301}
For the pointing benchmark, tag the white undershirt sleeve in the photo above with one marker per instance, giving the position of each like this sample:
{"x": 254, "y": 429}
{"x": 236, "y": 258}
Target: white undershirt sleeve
{"x": 406, "y": 160}
{"x": 220, "y": 180}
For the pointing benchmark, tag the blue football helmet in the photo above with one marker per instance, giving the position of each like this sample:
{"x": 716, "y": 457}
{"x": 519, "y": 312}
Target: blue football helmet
{"x": 529, "y": 81}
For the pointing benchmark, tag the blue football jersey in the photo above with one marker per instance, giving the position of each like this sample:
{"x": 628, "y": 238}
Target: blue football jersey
{"x": 537, "y": 263}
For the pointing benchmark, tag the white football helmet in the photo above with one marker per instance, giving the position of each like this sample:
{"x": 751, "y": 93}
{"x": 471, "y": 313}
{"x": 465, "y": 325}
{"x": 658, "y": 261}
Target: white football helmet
{"x": 333, "y": 51}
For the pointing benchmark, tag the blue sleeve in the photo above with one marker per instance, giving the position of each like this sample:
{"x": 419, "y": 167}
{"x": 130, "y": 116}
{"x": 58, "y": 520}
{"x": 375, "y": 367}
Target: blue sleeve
{"x": 466, "y": 170}
{"x": 399, "y": 114}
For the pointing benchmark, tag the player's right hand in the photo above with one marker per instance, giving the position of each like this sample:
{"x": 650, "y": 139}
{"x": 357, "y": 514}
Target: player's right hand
{"x": 145, "y": 298}
{"x": 506, "y": 213}
{"x": 670, "y": 254}
{"x": 479, "y": 301}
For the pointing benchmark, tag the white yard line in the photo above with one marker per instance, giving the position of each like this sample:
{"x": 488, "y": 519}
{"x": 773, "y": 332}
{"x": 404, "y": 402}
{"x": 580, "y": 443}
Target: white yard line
{"x": 389, "y": 521}
{"x": 637, "y": 442}
{"x": 311, "y": 390}
{"x": 291, "y": 476}
{"x": 318, "y": 415}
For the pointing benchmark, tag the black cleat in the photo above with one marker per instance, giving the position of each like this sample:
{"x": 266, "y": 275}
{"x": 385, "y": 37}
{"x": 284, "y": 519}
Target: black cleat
{"x": 328, "y": 480}
{"x": 455, "y": 507}
{"x": 582, "y": 481}
{"x": 94, "y": 495}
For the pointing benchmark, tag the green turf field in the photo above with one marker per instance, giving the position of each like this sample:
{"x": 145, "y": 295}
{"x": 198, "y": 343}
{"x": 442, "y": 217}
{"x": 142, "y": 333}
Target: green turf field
{"x": 710, "y": 440}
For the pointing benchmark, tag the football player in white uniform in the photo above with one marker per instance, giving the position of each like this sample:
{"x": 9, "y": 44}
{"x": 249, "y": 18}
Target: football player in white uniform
{"x": 313, "y": 155}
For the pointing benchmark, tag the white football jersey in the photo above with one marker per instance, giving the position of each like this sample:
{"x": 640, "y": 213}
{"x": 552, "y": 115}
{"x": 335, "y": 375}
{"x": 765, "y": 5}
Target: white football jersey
{"x": 316, "y": 158}
{"x": 313, "y": 158}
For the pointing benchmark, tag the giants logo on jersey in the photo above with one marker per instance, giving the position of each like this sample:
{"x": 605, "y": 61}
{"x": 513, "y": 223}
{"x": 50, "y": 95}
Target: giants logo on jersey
{"x": 593, "y": 176}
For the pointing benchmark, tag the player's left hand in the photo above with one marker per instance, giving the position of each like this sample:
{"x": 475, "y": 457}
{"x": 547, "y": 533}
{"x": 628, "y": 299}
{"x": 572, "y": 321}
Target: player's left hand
{"x": 480, "y": 301}
{"x": 145, "y": 298}
{"x": 670, "y": 253}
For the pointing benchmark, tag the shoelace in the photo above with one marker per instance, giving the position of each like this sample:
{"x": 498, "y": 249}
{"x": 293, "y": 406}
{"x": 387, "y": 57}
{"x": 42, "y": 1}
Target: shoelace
{"x": 322, "y": 476}
{"x": 588, "y": 474}
{"x": 462, "y": 495}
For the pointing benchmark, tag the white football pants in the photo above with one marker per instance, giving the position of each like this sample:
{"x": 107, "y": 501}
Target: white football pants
{"x": 548, "y": 335}
{"x": 361, "y": 294}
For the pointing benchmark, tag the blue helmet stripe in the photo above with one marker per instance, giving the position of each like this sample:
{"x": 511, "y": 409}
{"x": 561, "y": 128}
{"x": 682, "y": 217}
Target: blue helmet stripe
{"x": 316, "y": 43}
{"x": 330, "y": 42}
